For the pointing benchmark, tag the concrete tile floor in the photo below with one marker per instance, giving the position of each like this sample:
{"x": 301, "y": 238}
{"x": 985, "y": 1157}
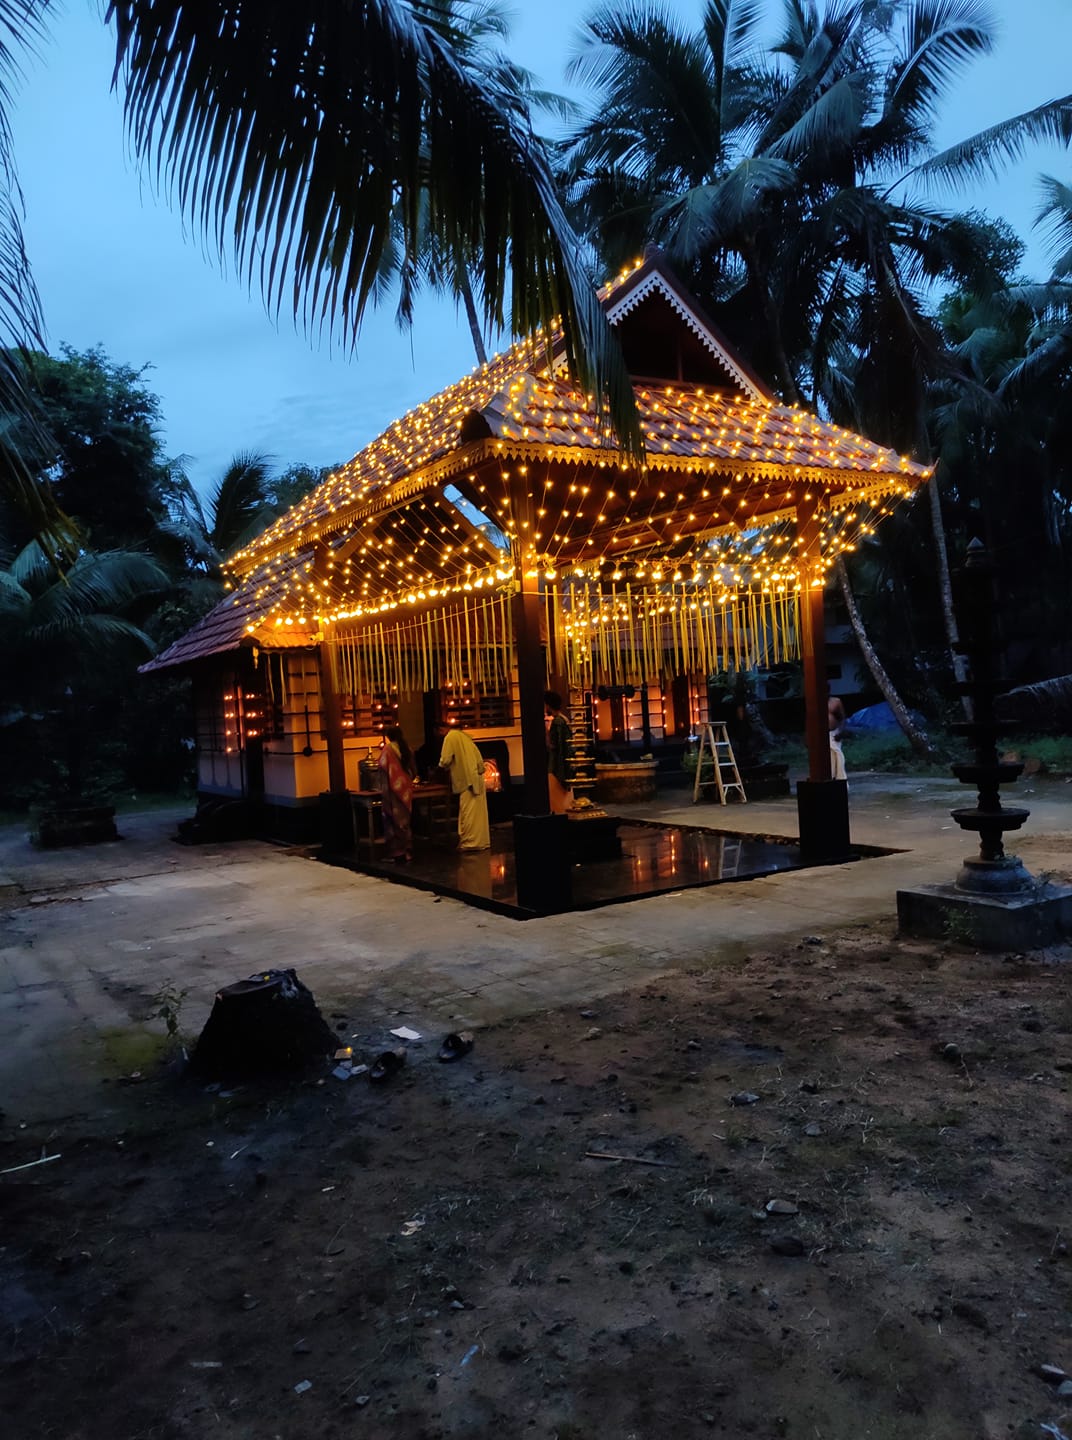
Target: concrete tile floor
{"x": 88, "y": 937}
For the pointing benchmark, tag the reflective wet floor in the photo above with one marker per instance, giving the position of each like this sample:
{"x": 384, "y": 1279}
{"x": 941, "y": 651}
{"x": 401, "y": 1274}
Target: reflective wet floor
{"x": 655, "y": 859}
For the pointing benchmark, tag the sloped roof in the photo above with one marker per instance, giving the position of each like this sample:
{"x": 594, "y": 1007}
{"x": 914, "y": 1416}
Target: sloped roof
{"x": 521, "y": 405}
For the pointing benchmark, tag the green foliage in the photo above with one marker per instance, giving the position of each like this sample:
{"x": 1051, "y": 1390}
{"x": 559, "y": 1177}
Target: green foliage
{"x": 776, "y": 179}
{"x": 295, "y": 482}
{"x": 1054, "y": 751}
{"x": 104, "y": 465}
{"x": 167, "y": 1006}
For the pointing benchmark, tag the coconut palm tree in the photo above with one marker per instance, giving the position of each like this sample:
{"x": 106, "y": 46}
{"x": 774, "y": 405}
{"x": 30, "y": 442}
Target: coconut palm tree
{"x": 54, "y": 627}
{"x": 240, "y": 507}
{"x": 669, "y": 150}
{"x": 289, "y": 136}
{"x": 780, "y": 180}
{"x": 60, "y": 634}
{"x": 772, "y": 176}
{"x": 1004, "y": 429}
{"x": 477, "y": 30}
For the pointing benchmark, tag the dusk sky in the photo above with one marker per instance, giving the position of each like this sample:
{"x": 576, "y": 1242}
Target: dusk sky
{"x": 113, "y": 266}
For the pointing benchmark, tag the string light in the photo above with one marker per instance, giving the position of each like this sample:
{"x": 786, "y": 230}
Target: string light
{"x": 725, "y": 473}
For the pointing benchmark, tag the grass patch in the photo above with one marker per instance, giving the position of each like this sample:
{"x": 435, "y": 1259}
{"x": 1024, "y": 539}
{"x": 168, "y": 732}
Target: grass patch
{"x": 1055, "y": 751}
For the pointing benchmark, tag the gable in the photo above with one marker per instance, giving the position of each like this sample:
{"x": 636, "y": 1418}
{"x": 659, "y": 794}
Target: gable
{"x": 666, "y": 335}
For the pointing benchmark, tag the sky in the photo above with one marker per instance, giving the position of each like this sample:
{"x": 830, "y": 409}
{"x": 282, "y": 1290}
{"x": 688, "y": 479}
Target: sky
{"x": 115, "y": 269}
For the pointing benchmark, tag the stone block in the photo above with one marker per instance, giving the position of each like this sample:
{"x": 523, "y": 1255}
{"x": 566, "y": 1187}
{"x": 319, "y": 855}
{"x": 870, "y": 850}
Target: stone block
{"x": 1042, "y": 916}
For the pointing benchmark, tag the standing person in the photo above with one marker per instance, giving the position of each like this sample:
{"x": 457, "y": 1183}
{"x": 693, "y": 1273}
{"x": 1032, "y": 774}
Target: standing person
{"x": 397, "y": 769}
{"x": 466, "y": 765}
{"x": 835, "y": 718}
{"x": 559, "y": 736}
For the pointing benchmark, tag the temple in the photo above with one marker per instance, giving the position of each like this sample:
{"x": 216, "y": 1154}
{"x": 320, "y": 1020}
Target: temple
{"x": 493, "y": 541}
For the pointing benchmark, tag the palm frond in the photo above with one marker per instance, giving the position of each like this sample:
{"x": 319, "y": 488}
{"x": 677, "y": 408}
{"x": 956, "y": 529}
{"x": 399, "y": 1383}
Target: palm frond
{"x": 985, "y": 155}
{"x": 710, "y": 214}
{"x": 14, "y": 597}
{"x": 940, "y": 38}
{"x": 1049, "y": 360}
{"x": 192, "y": 540}
{"x": 1054, "y": 220}
{"x": 239, "y": 497}
{"x": 830, "y": 53}
{"x": 656, "y": 82}
{"x": 33, "y": 567}
{"x": 98, "y": 582}
{"x": 92, "y": 636}
{"x": 21, "y": 322}
{"x": 829, "y": 125}
{"x": 729, "y": 27}
{"x": 287, "y": 134}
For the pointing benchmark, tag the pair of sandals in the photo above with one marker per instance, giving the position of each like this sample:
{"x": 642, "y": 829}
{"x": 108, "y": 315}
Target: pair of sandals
{"x": 454, "y": 1046}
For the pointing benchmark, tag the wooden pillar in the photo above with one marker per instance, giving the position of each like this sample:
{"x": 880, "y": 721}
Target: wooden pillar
{"x": 822, "y": 802}
{"x": 331, "y": 718}
{"x": 813, "y": 645}
{"x": 531, "y": 686}
{"x": 542, "y": 857}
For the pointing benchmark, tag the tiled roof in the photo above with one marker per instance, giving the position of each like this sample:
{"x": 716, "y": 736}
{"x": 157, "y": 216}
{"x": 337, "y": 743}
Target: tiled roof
{"x": 226, "y": 626}
{"x": 423, "y": 435}
{"x": 685, "y": 426}
{"x": 526, "y": 407}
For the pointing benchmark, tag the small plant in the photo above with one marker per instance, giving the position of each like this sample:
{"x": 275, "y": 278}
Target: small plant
{"x": 959, "y": 927}
{"x": 167, "y": 1006}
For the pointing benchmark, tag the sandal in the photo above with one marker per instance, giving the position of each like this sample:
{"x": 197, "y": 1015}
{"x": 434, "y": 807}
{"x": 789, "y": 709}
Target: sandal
{"x": 455, "y": 1046}
{"x": 386, "y": 1065}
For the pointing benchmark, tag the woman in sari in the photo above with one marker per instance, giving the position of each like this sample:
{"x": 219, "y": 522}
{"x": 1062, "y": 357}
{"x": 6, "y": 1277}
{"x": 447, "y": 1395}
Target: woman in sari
{"x": 398, "y": 767}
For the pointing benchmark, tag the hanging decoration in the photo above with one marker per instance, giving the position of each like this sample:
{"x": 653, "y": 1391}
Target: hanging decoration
{"x": 595, "y": 632}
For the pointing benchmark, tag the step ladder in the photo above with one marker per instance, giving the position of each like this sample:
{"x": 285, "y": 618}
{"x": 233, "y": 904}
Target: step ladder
{"x": 715, "y": 742}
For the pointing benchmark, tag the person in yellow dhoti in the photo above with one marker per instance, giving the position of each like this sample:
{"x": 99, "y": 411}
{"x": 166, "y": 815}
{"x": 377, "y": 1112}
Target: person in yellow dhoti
{"x": 466, "y": 766}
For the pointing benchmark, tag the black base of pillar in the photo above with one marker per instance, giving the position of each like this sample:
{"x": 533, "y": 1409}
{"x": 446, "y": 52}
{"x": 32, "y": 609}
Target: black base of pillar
{"x": 543, "y": 863}
{"x": 336, "y": 822}
{"x": 823, "y": 814}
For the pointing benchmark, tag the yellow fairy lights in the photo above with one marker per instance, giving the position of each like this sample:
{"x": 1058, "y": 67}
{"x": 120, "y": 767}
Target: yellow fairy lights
{"x": 710, "y": 523}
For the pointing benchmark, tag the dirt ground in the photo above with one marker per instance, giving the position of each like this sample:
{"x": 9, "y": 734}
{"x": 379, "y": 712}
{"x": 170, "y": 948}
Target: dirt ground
{"x": 443, "y": 1256}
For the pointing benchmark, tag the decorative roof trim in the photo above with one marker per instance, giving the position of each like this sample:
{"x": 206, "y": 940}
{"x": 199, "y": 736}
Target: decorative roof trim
{"x": 597, "y": 456}
{"x": 655, "y": 281}
{"x": 872, "y": 481}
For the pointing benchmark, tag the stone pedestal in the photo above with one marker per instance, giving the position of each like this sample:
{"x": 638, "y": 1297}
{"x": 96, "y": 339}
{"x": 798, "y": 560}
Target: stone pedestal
{"x": 336, "y": 822}
{"x": 543, "y": 863}
{"x": 823, "y": 815}
{"x": 1025, "y": 920}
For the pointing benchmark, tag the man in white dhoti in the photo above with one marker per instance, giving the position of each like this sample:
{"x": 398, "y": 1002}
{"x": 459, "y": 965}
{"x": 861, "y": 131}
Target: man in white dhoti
{"x": 465, "y": 763}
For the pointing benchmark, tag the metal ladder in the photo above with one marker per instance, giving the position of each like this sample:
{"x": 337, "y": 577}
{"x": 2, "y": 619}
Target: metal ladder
{"x": 715, "y": 741}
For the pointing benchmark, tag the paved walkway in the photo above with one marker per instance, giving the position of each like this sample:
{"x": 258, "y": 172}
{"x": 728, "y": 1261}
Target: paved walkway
{"x": 89, "y": 937}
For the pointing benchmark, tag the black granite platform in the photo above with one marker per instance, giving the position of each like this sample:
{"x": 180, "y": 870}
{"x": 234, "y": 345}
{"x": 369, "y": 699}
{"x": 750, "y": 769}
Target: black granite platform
{"x": 655, "y": 859}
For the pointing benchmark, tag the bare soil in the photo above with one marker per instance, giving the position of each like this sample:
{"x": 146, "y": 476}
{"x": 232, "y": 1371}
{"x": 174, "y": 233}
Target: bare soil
{"x": 442, "y": 1256}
